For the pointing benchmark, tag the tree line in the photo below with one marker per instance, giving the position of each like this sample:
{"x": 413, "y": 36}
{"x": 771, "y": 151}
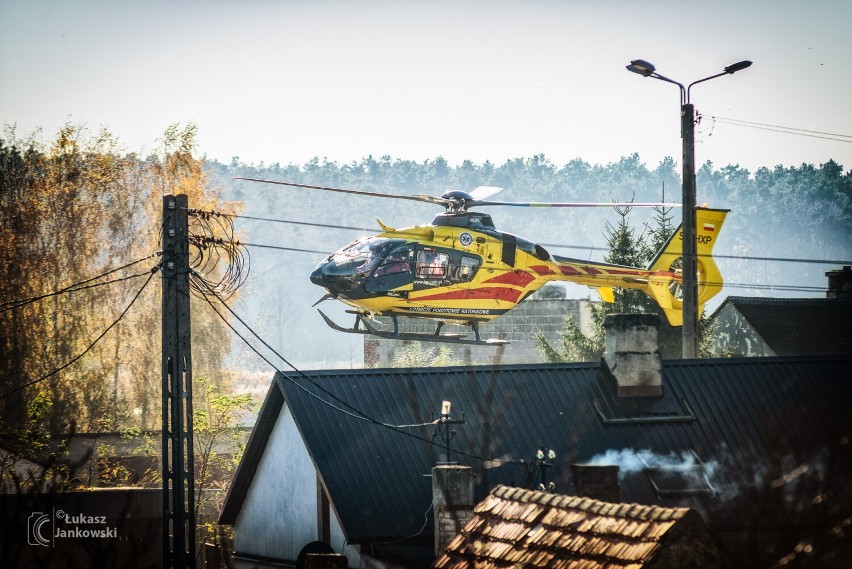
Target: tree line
{"x": 79, "y": 243}
{"x": 802, "y": 212}
{"x": 79, "y": 206}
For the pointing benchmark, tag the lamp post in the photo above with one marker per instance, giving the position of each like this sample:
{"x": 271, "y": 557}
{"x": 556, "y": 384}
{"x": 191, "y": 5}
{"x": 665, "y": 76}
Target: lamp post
{"x": 690, "y": 262}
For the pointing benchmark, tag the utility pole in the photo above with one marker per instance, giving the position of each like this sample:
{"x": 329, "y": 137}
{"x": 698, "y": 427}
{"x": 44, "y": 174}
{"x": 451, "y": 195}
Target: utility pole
{"x": 691, "y": 335}
{"x": 178, "y": 475}
{"x": 690, "y": 245}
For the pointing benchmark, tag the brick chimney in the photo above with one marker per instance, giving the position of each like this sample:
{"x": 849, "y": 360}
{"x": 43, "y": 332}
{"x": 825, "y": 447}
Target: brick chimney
{"x": 839, "y": 283}
{"x": 452, "y": 495}
{"x": 599, "y": 482}
{"x": 632, "y": 354}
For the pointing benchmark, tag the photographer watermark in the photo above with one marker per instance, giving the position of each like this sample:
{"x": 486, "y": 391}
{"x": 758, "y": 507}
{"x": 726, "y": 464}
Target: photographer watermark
{"x": 43, "y": 529}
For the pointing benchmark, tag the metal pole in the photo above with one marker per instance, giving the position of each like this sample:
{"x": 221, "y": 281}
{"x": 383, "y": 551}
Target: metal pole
{"x": 690, "y": 265}
{"x": 178, "y": 475}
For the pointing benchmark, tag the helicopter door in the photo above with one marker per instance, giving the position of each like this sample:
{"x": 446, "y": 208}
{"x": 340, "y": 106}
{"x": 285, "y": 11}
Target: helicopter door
{"x": 394, "y": 272}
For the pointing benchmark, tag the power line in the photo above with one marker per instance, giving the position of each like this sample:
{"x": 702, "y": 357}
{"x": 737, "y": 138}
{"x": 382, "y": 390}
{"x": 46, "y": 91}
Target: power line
{"x": 781, "y": 259}
{"x": 10, "y": 304}
{"x": 786, "y": 130}
{"x": 356, "y": 413}
{"x": 360, "y": 415}
{"x": 763, "y": 286}
{"x": 215, "y": 241}
{"x": 714, "y": 256}
{"x": 755, "y": 286}
{"x": 92, "y": 345}
{"x": 558, "y": 245}
{"x": 259, "y": 245}
{"x": 292, "y": 222}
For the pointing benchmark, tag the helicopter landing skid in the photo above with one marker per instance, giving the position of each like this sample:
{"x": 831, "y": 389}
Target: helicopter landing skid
{"x": 395, "y": 334}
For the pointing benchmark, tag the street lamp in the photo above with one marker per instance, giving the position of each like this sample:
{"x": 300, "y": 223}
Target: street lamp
{"x": 687, "y": 133}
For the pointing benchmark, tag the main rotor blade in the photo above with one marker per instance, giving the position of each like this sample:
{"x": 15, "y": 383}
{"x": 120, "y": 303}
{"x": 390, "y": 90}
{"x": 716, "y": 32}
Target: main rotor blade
{"x": 416, "y": 198}
{"x": 481, "y": 193}
{"x": 477, "y": 203}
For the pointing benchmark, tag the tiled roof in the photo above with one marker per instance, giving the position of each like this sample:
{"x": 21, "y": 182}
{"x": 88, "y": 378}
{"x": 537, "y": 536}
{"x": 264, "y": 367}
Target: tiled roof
{"x": 515, "y": 527}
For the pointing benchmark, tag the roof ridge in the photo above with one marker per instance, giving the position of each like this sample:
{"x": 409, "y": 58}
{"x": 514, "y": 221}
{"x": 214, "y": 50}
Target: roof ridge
{"x": 588, "y": 505}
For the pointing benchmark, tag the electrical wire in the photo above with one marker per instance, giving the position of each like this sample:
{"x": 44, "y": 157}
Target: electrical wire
{"x": 213, "y": 237}
{"x": 325, "y": 253}
{"x": 355, "y": 413}
{"x": 262, "y": 341}
{"x": 291, "y": 222}
{"x": 785, "y": 129}
{"x": 82, "y": 285}
{"x": 557, "y": 245}
{"x": 153, "y": 271}
{"x": 420, "y": 531}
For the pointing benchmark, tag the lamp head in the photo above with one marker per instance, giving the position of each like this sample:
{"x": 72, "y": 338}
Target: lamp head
{"x": 643, "y": 67}
{"x": 734, "y": 67}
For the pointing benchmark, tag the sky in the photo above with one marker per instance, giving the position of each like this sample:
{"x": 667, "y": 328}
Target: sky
{"x": 288, "y": 81}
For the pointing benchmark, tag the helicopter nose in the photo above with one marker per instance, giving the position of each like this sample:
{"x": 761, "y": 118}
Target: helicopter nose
{"x": 317, "y": 276}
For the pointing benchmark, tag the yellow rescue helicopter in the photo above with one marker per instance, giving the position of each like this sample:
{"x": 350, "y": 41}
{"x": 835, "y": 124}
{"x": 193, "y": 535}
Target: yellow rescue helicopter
{"x": 461, "y": 269}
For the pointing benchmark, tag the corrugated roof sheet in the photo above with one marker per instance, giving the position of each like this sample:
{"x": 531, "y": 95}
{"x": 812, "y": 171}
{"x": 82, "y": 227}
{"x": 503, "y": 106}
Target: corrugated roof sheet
{"x": 799, "y": 326}
{"x": 754, "y": 418}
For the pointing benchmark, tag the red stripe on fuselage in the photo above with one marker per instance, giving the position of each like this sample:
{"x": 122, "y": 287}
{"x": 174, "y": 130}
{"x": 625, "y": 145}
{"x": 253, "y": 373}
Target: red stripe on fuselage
{"x": 543, "y": 270}
{"x": 569, "y": 271}
{"x": 518, "y": 278}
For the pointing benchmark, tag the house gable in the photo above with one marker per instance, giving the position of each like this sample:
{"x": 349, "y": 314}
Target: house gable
{"x": 279, "y": 513}
{"x": 274, "y": 499}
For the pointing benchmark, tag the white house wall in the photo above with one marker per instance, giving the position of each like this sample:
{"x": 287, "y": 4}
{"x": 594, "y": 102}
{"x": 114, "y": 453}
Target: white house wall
{"x": 279, "y": 514}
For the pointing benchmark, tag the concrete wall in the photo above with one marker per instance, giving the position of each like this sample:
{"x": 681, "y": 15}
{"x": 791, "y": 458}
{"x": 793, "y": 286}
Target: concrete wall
{"x": 545, "y": 311}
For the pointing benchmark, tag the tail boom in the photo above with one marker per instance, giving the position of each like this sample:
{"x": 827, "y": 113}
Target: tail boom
{"x": 662, "y": 280}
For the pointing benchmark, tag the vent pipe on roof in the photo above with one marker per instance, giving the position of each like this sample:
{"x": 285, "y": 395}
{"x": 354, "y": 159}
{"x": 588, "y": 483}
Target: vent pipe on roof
{"x": 632, "y": 354}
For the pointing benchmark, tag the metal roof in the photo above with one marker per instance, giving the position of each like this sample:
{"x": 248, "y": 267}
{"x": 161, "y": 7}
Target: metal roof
{"x": 798, "y": 326}
{"x": 745, "y": 420}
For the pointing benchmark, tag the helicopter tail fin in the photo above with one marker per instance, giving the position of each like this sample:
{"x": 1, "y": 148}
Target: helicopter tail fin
{"x": 664, "y": 285}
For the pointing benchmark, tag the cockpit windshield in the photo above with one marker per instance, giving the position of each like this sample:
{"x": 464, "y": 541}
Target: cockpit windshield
{"x": 361, "y": 256}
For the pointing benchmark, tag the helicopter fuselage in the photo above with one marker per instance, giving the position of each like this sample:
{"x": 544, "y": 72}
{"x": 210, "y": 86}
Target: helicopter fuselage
{"x": 461, "y": 269}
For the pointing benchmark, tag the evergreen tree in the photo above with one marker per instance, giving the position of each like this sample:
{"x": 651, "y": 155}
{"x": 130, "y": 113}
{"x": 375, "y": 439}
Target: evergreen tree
{"x": 625, "y": 248}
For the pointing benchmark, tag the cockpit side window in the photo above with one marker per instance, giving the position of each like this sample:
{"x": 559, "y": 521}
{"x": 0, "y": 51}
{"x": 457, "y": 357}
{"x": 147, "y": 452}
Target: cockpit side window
{"x": 394, "y": 271}
{"x": 432, "y": 264}
{"x": 466, "y": 269}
